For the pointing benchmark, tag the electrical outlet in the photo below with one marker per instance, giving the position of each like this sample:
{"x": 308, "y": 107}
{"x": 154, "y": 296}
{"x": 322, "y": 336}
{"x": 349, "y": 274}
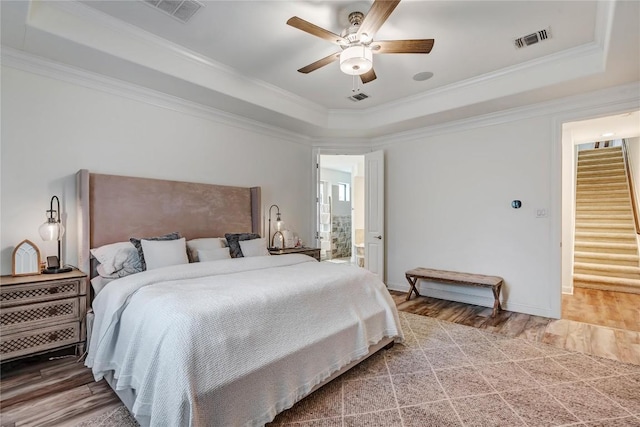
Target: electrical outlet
{"x": 541, "y": 213}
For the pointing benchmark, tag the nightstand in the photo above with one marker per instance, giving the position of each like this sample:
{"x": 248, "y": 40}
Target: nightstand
{"x": 42, "y": 313}
{"x": 312, "y": 252}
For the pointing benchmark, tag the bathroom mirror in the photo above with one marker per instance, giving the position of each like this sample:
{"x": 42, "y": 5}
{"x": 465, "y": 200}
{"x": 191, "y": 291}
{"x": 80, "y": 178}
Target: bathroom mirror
{"x": 26, "y": 259}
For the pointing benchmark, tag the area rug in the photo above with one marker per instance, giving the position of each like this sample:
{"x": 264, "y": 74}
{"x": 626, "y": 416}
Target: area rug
{"x": 447, "y": 374}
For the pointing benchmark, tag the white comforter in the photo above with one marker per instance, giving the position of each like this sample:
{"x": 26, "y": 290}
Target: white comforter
{"x": 234, "y": 342}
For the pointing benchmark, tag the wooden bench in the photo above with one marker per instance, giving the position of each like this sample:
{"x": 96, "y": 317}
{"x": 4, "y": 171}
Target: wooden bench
{"x": 455, "y": 278}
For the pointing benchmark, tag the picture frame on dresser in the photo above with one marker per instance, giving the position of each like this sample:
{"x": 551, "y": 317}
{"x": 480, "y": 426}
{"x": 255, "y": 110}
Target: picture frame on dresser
{"x": 25, "y": 259}
{"x": 42, "y": 313}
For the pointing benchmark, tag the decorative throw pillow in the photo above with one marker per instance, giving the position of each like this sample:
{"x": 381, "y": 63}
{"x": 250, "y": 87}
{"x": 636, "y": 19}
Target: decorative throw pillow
{"x": 126, "y": 270}
{"x": 138, "y": 245}
{"x": 205, "y": 255}
{"x": 255, "y": 247}
{"x": 162, "y": 253}
{"x": 233, "y": 240}
{"x": 116, "y": 257}
{"x": 205, "y": 243}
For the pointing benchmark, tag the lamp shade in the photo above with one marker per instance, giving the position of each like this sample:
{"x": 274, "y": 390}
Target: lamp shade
{"x": 51, "y": 230}
{"x": 356, "y": 60}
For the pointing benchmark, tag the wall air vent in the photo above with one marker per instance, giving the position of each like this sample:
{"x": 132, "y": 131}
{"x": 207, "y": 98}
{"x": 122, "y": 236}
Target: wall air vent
{"x": 182, "y": 10}
{"x": 358, "y": 97}
{"x": 533, "y": 38}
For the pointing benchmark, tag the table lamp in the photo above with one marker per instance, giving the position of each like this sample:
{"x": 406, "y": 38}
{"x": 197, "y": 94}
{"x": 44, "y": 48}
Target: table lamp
{"x": 53, "y": 230}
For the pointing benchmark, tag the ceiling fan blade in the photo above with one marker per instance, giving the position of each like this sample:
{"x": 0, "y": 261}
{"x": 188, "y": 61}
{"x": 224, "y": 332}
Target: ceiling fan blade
{"x": 402, "y": 46}
{"x": 368, "y": 76}
{"x": 377, "y": 15}
{"x": 320, "y": 63}
{"x": 314, "y": 30}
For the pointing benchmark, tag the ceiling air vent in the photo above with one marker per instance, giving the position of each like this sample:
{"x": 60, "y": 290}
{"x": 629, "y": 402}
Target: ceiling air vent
{"x": 533, "y": 38}
{"x": 182, "y": 10}
{"x": 358, "y": 97}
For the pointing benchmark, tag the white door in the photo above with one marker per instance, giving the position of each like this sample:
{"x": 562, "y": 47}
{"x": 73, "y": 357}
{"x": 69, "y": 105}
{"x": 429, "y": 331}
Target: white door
{"x": 374, "y": 213}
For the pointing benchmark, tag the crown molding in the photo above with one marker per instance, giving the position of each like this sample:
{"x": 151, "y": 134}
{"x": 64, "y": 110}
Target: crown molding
{"x": 97, "y": 30}
{"x": 580, "y": 61}
{"x": 37, "y": 65}
{"x": 626, "y": 96}
{"x": 198, "y": 69}
{"x": 604, "y": 100}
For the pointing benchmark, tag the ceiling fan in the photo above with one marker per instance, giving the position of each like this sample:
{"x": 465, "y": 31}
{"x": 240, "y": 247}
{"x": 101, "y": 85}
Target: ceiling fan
{"x": 356, "y": 41}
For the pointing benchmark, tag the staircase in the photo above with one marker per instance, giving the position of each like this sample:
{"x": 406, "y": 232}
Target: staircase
{"x": 606, "y": 248}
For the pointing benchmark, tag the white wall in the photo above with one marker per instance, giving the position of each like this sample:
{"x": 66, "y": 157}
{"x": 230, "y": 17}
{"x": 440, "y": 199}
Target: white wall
{"x": 449, "y": 207}
{"x": 51, "y": 129}
{"x": 333, "y": 177}
{"x": 358, "y": 202}
{"x": 633, "y": 146}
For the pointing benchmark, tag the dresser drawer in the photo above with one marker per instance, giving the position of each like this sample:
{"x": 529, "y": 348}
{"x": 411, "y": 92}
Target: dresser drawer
{"x": 36, "y": 340}
{"x": 30, "y": 315}
{"x": 37, "y": 292}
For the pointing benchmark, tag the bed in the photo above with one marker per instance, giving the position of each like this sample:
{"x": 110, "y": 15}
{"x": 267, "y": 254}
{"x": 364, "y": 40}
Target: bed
{"x": 225, "y": 342}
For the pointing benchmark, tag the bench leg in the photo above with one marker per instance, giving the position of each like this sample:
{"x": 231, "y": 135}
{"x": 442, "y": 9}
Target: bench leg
{"x": 412, "y": 281}
{"x": 496, "y": 303}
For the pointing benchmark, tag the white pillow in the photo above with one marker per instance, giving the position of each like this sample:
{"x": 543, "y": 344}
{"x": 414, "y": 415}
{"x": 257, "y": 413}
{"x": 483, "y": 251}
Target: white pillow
{"x": 162, "y": 253}
{"x": 99, "y": 282}
{"x": 206, "y": 243}
{"x": 254, "y": 247}
{"x": 215, "y": 254}
{"x": 116, "y": 256}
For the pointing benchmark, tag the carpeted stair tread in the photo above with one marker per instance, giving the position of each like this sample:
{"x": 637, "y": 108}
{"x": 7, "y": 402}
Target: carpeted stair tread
{"x": 612, "y": 157}
{"x": 592, "y": 173}
{"x": 608, "y": 226}
{"x": 611, "y": 270}
{"x": 599, "y": 151}
{"x": 602, "y": 236}
{"x": 599, "y": 194}
{"x": 594, "y": 208}
{"x": 612, "y": 201}
{"x": 606, "y": 283}
{"x": 604, "y": 215}
{"x": 606, "y": 245}
{"x": 602, "y": 160}
{"x": 632, "y": 260}
{"x": 602, "y": 186}
{"x": 612, "y": 180}
{"x": 597, "y": 164}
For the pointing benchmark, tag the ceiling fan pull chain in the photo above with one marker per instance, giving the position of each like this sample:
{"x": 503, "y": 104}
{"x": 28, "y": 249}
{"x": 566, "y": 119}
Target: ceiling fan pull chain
{"x": 355, "y": 87}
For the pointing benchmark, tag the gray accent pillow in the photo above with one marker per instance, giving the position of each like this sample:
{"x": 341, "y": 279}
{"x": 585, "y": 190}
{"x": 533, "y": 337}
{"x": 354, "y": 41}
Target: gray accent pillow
{"x": 138, "y": 244}
{"x": 233, "y": 239}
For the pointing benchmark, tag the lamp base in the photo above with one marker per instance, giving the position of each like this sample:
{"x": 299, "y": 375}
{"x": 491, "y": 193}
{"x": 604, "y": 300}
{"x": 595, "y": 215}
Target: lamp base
{"x": 54, "y": 270}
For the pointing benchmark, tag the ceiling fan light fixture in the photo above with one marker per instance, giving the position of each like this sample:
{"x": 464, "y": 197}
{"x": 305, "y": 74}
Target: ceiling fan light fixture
{"x": 356, "y": 60}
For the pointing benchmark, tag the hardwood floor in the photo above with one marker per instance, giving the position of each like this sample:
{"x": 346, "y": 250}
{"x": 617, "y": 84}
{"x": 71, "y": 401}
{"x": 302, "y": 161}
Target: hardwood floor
{"x": 62, "y": 392}
{"x": 605, "y": 308}
{"x": 605, "y": 341}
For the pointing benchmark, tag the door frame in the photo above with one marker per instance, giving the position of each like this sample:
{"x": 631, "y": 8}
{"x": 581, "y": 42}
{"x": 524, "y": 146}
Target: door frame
{"x": 562, "y": 167}
{"x": 315, "y": 177}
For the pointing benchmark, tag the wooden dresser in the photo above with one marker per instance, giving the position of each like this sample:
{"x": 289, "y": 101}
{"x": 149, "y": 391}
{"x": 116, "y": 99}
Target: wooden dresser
{"x": 42, "y": 313}
{"x": 312, "y": 252}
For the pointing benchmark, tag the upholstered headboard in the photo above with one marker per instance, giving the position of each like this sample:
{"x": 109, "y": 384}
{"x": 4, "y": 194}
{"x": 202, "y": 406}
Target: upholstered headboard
{"x": 114, "y": 208}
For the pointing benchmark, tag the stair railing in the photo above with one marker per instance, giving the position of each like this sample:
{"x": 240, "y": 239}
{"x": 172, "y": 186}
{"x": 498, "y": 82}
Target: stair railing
{"x": 632, "y": 191}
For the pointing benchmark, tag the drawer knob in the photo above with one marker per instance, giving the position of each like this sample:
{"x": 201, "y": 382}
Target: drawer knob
{"x": 53, "y": 336}
{"x": 53, "y": 290}
{"x": 53, "y": 311}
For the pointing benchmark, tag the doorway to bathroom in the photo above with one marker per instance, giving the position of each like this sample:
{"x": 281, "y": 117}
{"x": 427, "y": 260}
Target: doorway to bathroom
{"x": 341, "y": 209}
{"x": 350, "y": 209}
